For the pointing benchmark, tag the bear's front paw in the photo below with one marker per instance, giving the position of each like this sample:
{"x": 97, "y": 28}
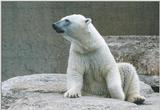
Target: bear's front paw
{"x": 136, "y": 99}
{"x": 72, "y": 93}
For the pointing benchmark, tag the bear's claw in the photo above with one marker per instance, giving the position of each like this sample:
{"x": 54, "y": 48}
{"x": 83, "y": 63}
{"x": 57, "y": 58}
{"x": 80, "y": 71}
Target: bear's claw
{"x": 137, "y": 99}
{"x": 72, "y": 94}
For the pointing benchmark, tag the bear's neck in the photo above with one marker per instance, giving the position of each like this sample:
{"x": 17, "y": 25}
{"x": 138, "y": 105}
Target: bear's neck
{"x": 90, "y": 40}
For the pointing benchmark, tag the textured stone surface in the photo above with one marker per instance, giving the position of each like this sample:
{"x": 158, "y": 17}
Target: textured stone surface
{"x": 55, "y": 101}
{"x": 30, "y": 45}
{"x": 153, "y": 81}
{"x": 45, "y": 90}
{"x": 142, "y": 52}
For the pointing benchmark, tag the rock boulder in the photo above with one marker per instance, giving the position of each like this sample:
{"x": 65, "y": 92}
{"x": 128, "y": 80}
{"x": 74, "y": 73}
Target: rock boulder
{"x": 45, "y": 92}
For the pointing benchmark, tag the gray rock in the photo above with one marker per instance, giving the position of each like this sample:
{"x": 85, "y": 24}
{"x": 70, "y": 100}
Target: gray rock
{"x": 145, "y": 89}
{"x": 35, "y": 82}
{"x": 58, "y": 102}
{"x": 44, "y": 92}
{"x": 142, "y": 52}
{"x": 153, "y": 81}
{"x": 54, "y": 101}
{"x": 23, "y": 86}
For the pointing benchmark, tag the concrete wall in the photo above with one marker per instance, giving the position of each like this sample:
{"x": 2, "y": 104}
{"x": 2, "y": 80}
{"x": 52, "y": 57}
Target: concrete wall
{"x": 30, "y": 45}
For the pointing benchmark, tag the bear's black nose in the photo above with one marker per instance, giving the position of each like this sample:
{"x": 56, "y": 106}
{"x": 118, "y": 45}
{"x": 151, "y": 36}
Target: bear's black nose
{"x": 58, "y": 29}
{"x": 54, "y": 26}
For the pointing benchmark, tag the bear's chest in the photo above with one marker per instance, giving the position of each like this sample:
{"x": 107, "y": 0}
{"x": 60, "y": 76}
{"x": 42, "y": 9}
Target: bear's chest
{"x": 95, "y": 67}
{"x": 94, "y": 80}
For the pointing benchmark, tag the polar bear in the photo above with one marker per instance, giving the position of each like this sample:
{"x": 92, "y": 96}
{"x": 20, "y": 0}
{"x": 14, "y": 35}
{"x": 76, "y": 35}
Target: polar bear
{"x": 92, "y": 68}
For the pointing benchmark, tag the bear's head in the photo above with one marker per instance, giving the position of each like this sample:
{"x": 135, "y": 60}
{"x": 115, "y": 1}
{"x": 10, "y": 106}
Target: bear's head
{"x": 73, "y": 26}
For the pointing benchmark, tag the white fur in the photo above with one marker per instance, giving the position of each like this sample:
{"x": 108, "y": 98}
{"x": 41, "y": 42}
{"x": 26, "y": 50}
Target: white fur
{"x": 92, "y": 68}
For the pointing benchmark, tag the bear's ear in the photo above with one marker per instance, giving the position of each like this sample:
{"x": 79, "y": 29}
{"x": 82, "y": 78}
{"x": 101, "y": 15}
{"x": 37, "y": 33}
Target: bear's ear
{"x": 88, "y": 20}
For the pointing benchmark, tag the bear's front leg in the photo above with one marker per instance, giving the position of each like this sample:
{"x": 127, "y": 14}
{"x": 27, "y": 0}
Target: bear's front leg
{"x": 75, "y": 71}
{"x": 113, "y": 81}
{"x": 74, "y": 85}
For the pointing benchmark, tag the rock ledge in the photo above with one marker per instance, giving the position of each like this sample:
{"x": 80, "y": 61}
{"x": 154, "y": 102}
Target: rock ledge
{"x": 44, "y": 92}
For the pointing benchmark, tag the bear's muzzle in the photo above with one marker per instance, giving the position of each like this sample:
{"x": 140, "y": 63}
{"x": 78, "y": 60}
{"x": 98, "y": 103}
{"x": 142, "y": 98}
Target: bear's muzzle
{"x": 57, "y": 28}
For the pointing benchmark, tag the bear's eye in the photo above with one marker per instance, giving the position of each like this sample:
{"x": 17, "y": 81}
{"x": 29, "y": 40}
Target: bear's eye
{"x": 67, "y": 20}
